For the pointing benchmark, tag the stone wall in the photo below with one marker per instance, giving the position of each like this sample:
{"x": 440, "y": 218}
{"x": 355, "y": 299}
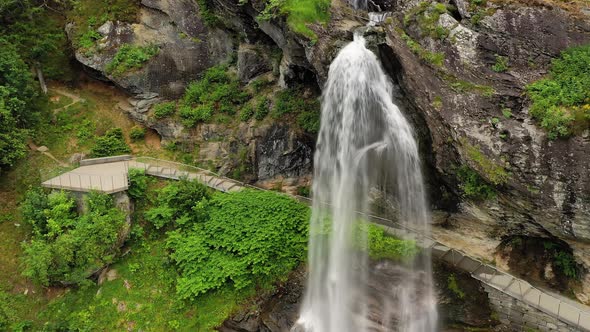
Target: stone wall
{"x": 519, "y": 316}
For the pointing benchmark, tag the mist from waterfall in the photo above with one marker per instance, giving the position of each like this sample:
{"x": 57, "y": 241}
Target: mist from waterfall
{"x": 364, "y": 143}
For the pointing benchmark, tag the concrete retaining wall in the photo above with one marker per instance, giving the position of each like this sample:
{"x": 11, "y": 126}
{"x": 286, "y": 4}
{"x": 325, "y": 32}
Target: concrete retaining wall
{"x": 519, "y": 316}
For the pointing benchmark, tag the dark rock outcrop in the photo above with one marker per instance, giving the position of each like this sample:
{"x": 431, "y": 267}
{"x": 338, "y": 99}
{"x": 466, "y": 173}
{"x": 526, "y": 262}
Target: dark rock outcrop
{"x": 186, "y": 48}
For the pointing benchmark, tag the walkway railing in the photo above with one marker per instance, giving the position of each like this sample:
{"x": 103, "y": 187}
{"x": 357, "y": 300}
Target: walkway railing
{"x": 577, "y": 316}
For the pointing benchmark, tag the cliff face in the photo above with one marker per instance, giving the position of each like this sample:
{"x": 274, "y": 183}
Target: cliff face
{"x": 462, "y": 71}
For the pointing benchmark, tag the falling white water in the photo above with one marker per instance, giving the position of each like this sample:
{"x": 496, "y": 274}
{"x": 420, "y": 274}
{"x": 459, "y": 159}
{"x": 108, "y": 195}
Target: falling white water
{"x": 364, "y": 142}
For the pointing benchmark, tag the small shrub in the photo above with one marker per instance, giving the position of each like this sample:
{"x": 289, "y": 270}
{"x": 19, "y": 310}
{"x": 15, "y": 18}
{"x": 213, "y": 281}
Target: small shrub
{"x": 561, "y": 102}
{"x": 383, "y": 246}
{"x": 473, "y": 185}
{"x": 131, "y": 57}
{"x": 247, "y": 112}
{"x": 501, "y": 64}
{"x": 453, "y": 286}
{"x": 507, "y": 113}
{"x": 191, "y": 116}
{"x": 111, "y": 144}
{"x": 262, "y": 108}
{"x": 137, "y": 133}
{"x": 164, "y": 110}
{"x": 566, "y": 263}
{"x": 138, "y": 183}
{"x": 85, "y": 131}
{"x": 309, "y": 121}
{"x": 303, "y": 191}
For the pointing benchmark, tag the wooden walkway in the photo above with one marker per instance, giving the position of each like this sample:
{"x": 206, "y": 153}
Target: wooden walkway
{"x": 110, "y": 175}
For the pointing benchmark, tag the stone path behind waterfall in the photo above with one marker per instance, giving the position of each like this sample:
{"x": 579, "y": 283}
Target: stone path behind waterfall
{"x": 515, "y": 298}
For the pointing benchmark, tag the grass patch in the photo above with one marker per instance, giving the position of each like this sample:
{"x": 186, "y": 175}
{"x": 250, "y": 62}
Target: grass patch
{"x": 88, "y": 15}
{"x": 453, "y": 286}
{"x": 434, "y": 58}
{"x": 561, "y": 101}
{"x": 493, "y": 172}
{"x": 299, "y": 13}
{"x": 164, "y": 110}
{"x": 427, "y": 14}
{"x": 130, "y": 57}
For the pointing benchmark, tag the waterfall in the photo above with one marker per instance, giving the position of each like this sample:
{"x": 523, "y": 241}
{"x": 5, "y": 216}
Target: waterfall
{"x": 364, "y": 142}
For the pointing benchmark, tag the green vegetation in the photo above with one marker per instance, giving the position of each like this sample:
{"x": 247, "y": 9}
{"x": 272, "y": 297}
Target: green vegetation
{"x": 291, "y": 101}
{"x": 501, "y": 64}
{"x": 453, "y": 286}
{"x": 493, "y": 172}
{"x": 209, "y": 18}
{"x": 565, "y": 262}
{"x": 137, "y": 133}
{"x": 507, "y": 113}
{"x": 67, "y": 247}
{"x": 262, "y": 108}
{"x": 299, "y": 13}
{"x": 427, "y": 14}
{"x": 229, "y": 240}
{"x": 131, "y": 57}
{"x": 89, "y": 15}
{"x": 217, "y": 93}
{"x": 561, "y": 102}
{"x": 19, "y": 109}
{"x": 460, "y": 85}
{"x": 111, "y": 144}
{"x": 138, "y": 183}
{"x": 473, "y": 185}
{"x": 434, "y": 58}
{"x": 164, "y": 110}
{"x": 383, "y": 246}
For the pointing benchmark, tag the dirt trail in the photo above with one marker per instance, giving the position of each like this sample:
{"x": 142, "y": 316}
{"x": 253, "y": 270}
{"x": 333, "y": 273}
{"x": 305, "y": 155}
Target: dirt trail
{"x": 75, "y": 99}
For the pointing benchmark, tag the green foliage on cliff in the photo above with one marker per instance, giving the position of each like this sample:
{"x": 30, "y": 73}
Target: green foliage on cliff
{"x": 237, "y": 240}
{"x": 561, "y": 101}
{"x": 383, "y": 246}
{"x": 67, "y": 247}
{"x": 299, "y": 13}
{"x": 218, "y": 93}
{"x": 292, "y": 101}
{"x": 130, "y": 57}
{"x": 493, "y": 172}
{"x": 435, "y": 58}
{"x": 112, "y": 143}
{"x": 427, "y": 14}
{"x": 473, "y": 185}
{"x": 163, "y": 110}
{"x": 89, "y": 15}
{"x": 138, "y": 183}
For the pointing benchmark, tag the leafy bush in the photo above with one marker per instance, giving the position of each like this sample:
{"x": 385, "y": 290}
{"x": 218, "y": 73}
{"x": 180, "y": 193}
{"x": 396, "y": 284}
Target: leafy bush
{"x": 309, "y": 120}
{"x": 164, "y": 110}
{"x": 111, "y": 144}
{"x": 130, "y": 57}
{"x": 176, "y": 203}
{"x": 566, "y": 263}
{"x": 240, "y": 238}
{"x": 262, "y": 108}
{"x": 137, "y": 133}
{"x": 85, "y": 131}
{"x": 138, "y": 183}
{"x": 501, "y": 64}
{"x": 246, "y": 113}
{"x": 218, "y": 92}
{"x": 473, "y": 185}
{"x": 561, "y": 102}
{"x": 67, "y": 247}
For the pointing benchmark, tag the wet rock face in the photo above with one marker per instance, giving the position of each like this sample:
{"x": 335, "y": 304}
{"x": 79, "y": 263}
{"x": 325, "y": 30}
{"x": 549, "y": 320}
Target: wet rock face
{"x": 279, "y": 311}
{"x": 463, "y": 102}
{"x": 281, "y": 152}
{"x": 187, "y": 48}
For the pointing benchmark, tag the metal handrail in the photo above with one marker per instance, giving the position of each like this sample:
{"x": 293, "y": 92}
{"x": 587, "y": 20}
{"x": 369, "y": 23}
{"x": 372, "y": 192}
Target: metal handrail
{"x": 389, "y": 223}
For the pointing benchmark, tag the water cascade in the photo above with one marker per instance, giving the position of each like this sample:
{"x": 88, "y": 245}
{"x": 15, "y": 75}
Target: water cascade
{"x": 364, "y": 143}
